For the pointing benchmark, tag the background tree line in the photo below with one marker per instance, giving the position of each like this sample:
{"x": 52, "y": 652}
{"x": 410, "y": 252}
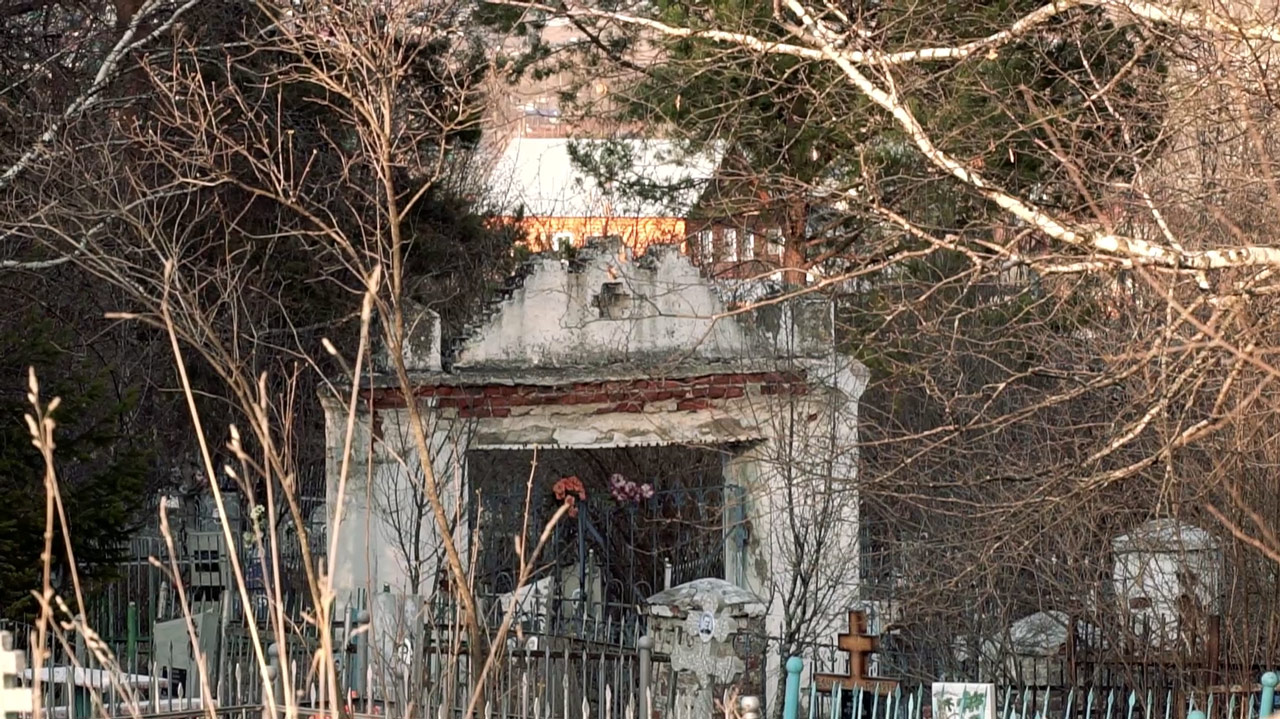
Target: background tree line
{"x": 179, "y": 157}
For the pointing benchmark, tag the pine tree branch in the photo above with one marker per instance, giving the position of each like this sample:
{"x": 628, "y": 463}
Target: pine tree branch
{"x": 824, "y": 46}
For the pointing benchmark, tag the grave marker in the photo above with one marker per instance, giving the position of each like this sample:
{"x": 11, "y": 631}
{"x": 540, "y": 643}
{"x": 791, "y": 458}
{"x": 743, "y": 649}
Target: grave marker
{"x": 860, "y": 646}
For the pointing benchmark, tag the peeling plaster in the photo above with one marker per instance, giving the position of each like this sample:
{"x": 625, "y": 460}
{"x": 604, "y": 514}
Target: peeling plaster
{"x": 548, "y": 330}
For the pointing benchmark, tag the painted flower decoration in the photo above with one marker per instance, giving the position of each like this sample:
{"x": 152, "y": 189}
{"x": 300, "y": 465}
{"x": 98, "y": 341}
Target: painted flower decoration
{"x": 624, "y": 490}
{"x": 569, "y": 490}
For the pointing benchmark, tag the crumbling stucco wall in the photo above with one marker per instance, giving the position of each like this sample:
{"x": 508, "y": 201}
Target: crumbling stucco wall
{"x": 608, "y": 351}
{"x": 602, "y": 309}
{"x": 384, "y": 533}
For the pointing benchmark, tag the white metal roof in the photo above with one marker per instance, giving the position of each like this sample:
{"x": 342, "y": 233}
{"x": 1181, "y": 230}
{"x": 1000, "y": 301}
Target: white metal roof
{"x": 1040, "y": 634}
{"x": 539, "y": 175}
{"x": 1164, "y": 535}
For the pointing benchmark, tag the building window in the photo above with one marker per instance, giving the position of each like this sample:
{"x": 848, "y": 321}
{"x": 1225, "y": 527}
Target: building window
{"x": 749, "y": 246}
{"x": 730, "y": 244}
{"x": 774, "y": 248}
{"x": 706, "y": 245}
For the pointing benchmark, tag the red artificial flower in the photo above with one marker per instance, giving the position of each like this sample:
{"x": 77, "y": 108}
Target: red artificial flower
{"x": 569, "y": 490}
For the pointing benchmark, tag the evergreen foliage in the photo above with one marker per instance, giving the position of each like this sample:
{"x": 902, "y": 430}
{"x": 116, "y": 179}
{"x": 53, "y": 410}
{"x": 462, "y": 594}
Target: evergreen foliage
{"x": 102, "y": 468}
{"x": 802, "y": 138}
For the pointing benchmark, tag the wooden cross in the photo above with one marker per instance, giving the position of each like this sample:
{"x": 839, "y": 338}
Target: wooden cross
{"x": 860, "y": 646}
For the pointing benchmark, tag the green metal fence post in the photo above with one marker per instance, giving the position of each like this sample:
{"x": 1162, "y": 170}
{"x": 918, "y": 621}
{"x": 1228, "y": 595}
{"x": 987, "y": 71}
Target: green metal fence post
{"x": 1268, "y": 703}
{"x": 131, "y": 637}
{"x": 791, "y": 699}
{"x": 1195, "y": 714}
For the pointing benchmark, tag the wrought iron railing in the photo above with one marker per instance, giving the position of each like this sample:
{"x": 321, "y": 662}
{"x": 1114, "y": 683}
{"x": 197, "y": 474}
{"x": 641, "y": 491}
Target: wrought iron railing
{"x": 634, "y": 549}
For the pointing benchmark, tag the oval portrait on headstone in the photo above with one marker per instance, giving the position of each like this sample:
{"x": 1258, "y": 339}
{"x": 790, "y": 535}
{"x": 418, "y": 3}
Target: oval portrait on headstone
{"x": 706, "y": 626}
